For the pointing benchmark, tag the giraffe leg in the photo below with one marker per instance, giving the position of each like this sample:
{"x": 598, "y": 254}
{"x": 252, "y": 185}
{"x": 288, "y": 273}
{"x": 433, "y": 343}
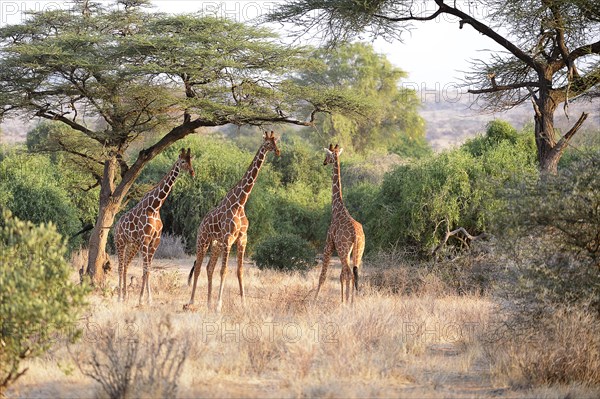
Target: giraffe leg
{"x": 130, "y": 253}
{"x": 200, "y": 252}
{"x": 329, "y": 246}
{"x": 121, "y": 250}
{"x": 148, "y": 250}
{"x": 342, "y": 281}
{"x": 347, "y": 275}
{"x": 215, "y": 252}
{"x": 241, "y": 249}
{"x": 226, "y": 249}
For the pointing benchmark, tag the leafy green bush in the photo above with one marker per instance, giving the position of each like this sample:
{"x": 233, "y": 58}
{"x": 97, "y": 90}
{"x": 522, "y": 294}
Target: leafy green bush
{"x": 418, "y": 203}
{"x": 285, "y": 252}
{"x": 34, "y": 189}
{"x": 38, "y": 303}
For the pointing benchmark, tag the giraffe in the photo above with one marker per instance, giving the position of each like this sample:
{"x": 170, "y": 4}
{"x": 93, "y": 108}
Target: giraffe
{"x": 141, "y": 227}
{"x": 345, "y": 235}
{"x": 227, "y": 224}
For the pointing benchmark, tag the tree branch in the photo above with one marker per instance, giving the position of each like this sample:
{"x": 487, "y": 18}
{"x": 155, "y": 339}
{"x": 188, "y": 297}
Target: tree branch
{"x": 53, "y": 116}
{"x": 411, "y": 17}
{"x": 562, "y": 143}
{"x": 593, "y": 48}
{"x": 489, "y": 32}
{"x": 75, "y": 152}
{"x": 497, "y": 88}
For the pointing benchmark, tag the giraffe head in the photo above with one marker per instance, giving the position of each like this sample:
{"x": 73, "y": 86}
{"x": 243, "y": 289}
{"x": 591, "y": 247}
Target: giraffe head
{"x": 271, "y": 142}
{"x": 185, "y": 159}
{"x": 332, "y": 154}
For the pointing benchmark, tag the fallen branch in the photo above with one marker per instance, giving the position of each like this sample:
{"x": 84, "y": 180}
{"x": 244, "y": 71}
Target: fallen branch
{"x": 455, "y": 232}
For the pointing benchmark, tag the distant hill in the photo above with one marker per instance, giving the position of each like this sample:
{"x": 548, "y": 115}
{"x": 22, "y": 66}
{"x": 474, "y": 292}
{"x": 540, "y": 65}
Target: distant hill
{"x": 14, "y": 130}
{"x": 450, "y": 120}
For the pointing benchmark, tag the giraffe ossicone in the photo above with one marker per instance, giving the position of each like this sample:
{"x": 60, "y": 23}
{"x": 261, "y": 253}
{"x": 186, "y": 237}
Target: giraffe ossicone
{"x": 140, "y": 228}
{"x": 345, "y": 235}
{"x": 227, "y": 224}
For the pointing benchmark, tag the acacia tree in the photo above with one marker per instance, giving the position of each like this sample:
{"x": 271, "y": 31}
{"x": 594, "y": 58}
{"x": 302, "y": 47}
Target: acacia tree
{"x": 551, "y": 57}
{"x": 116, "y": 74}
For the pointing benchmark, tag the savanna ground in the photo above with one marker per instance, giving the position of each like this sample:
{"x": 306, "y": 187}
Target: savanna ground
{"x": 284, "y": 344}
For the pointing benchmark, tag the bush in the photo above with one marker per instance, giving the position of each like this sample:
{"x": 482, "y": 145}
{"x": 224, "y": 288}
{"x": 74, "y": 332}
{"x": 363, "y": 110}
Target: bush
{"x": 419, "y": 202}
{"x": 171, "y": 247}
{"x": 552, "y": 235}
{"x": 33, "y": 189}
{"x": 38, "y": 303}
{"x": 402, "y": 272}
{"x": 286, "y": 252}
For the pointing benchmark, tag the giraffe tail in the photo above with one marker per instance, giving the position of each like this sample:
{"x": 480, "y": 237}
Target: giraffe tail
{"x": 359, "y": 247}
{"x": 191, "y": 274}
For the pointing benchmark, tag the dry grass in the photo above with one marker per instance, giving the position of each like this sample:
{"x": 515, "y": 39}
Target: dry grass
{"x": 562, "y": 348}
{"x": 284, "y": 344}
{"x": 171, "y": 247}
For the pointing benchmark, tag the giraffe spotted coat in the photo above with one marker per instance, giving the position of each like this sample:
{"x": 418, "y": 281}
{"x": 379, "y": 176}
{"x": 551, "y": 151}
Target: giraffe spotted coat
{"x": 226, "y": 225}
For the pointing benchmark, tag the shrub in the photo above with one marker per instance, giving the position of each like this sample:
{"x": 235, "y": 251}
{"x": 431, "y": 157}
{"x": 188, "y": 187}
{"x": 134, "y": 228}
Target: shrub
{"x": 38, "y": 303}
{"x": 552, "y": 234}
{"x": 401, "y": 272}
{"x": 419, "y": 202}
{"x": 286, "y": 252}
{"x": 33, "y": 190}
{"x": 141, "y": 365}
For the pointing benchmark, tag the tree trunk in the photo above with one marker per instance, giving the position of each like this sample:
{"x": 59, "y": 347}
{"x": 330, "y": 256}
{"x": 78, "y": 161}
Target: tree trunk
{"x": 548, "y": 153}
{"x": 107, "y": 210}
{"x": 98, "y": 260}
{"x": 545, "y": 137}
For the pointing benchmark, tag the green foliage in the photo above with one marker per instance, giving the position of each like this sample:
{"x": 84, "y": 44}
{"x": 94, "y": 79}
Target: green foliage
{"x": 392, "y": 122}
{"x": 583, "y": 145}
{"x": 38, "y": 303}
{"x": 498, "y": 131}
{"x": 419, "y": 202}
{"x": 299, "y": 162}
{"x": 286, "y": 252}
{"x": 33, "y": 188}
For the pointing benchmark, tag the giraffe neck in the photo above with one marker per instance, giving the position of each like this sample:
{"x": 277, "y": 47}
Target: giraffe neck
{"x": 242, "y": 190}
{"x": 337, "y": 202}
{"x": 157, "y": 196}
